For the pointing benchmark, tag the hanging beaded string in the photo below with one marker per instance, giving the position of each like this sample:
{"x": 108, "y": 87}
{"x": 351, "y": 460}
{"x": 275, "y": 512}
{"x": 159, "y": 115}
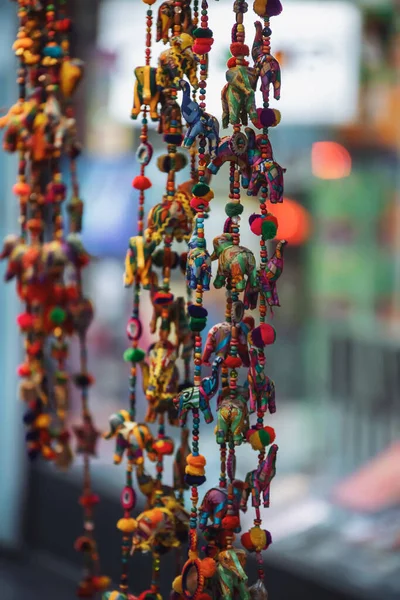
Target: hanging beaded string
{"x": 23, "y": 133}
{"x": 134, "y": 328}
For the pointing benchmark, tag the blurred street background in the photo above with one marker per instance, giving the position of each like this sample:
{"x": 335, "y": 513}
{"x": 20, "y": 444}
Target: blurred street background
{"x": 335, "y": 503}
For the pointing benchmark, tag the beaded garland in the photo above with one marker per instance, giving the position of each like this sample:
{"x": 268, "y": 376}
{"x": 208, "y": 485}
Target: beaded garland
{"x": 47, "y": 266}
{"x": 218, "y": 568}
{"x": 45, "y": 258}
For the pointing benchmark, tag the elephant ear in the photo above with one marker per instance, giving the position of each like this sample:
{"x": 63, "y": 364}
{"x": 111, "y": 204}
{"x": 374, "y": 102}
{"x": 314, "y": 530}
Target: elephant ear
{"x": 139, "y": 74}
{"x": 251, "y": 137}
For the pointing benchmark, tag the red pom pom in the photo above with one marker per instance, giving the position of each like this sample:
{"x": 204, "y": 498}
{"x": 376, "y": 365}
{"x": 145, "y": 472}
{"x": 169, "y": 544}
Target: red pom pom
{"x": 239, "y": 49}
{"x": 201, "y": 49}
{"x": 34, "y": 349}
{"x": 141, "y": 182}
{"x": 199, "y": 204}
{"x": 271, "y": 433}
{"x": 24, "y": 370}
{"x": 25, "y": 321}
{"x": 164, "y": 447}
{"x": 246, "y": 542}
{"x": 233, "y": 362}
{"x": 268, "y": 333}
{"x": 256, "y": 224}
{"x": 230, "y": 522}
{"x": 231, "y": 62}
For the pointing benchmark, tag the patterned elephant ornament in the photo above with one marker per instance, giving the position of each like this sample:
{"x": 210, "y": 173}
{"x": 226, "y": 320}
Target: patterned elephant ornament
{"x": 160, "y": 380}
{"x": 146, "y": 92}
{"x": 219, "y": 337}
{"x": 233, "y": 417}
{"x": 138, "y": 262}
{"x": 214, "y": 507}
{"x": 269, "y": 276}
{"x": 261, "y": 387}
{"x": 266, "y": 65}
{"x": 198, "y": 263}
{"x": 234, "y": 263}
{"x": 257, "y": 482}
{"x": 264, "y": 171}
{"x": 232, "y": 578}
{"x": 238, "y": 97}
{"x": 199, "y": 396}
{"x": 132, "y": 438}
{"x": 200, "y": 122}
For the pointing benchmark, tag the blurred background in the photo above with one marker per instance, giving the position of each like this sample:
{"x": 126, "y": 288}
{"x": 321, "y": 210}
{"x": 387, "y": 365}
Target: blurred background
{"x": 335, "y": 510}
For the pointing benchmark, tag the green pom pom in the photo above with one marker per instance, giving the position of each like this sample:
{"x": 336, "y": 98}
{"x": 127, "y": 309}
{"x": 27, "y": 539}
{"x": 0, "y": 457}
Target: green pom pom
{"x": 58, "y": 315}
{"x": 134, "y": 355}
{"x": 233, "y": 209}
{"x": 268, "y": 230}
{"x": 200, "y": 189}
{"x": 199, "y": 32}
{"x": 197, "y": 324}
{"x": 265, "y": 438}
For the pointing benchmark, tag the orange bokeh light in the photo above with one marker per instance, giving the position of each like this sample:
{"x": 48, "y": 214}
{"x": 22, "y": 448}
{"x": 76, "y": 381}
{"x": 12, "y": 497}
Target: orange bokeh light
{"x": 330, "y": 160}
{"x": 294, "y": 221}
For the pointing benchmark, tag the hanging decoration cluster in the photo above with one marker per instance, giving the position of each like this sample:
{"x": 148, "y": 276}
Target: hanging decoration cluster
{"x": 234, "y": 348}
{"x": 46, "y": 257}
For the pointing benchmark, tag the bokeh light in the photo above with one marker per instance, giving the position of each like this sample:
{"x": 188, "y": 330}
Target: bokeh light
{"x": 330, "y": 160}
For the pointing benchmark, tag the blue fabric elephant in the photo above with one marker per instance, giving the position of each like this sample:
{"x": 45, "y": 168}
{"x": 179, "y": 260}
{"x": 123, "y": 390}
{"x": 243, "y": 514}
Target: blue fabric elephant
{"x": 199, "y": 121}
{"x": 198, "y": 264}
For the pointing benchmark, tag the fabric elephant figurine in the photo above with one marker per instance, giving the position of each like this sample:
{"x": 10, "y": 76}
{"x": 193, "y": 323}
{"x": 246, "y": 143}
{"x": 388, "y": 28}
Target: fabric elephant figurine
{"x": 199, "y": 396}
{"x": 160, "y": 379}
{"x": 214, "y": 506}
{"x": 176, "y": 62}
{"x": 198, "y": 264}
{"x": 219, "y": 336}
{"x": 199, "y": 121}
{"x": 263, "y": 171}
{"x": 232, "y": 578}
{"x": 146, "y": 92}
{"x": 131, "y": 437}
{"x": 261, "y": 387}
{"x": 257, "y": 482}
{"x": 238, "y": 98}
{"x": 233, "y": 418}
{"x": 234, "y": 262}
{"x": 269, "y": 276}
{"x": 138, "y": 262}
{"x": 266, "y": 65}
{"x": 165, "y": 19}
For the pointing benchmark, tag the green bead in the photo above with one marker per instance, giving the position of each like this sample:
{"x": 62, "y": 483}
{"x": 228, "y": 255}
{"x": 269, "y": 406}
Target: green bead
{"x": 134, "y": 355}
{"x": 58, "y": 315}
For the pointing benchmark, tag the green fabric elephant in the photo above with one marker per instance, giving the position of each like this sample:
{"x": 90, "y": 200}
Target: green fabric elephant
{"x": 233, "y": 417}
{"x": 234, "y": 262}
{"x": 238, "y": 97}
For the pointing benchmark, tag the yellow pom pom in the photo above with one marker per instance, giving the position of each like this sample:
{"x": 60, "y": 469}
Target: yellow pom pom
{"x": 189, "y": 470}
{"x": 127, "y": 525}
{"x": 177, "y": 585}
{"x": 255, "y": 442}
{"x": 117, "y": 459}
{"x": 42, "y": 421}
{"x": 258, "y": 537}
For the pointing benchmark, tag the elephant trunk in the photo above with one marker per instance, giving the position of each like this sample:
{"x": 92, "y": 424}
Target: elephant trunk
{"x": 257, "y": 42}
{"x": 215, "y": 374}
